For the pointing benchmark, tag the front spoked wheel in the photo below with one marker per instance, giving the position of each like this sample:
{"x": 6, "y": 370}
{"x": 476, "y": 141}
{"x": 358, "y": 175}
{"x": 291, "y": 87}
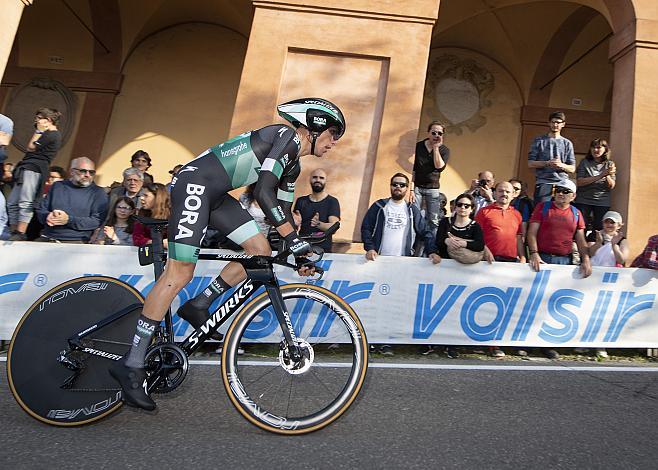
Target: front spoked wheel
{"x": 295, "y": 395}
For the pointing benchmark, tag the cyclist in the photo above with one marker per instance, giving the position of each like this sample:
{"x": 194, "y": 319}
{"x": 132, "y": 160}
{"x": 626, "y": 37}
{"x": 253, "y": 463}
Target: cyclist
{"x": 268, "y": 157}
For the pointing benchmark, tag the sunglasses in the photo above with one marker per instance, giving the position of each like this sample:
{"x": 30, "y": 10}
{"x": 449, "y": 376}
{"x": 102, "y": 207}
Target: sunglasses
{"x": 563, "y": 191}
{"x": 85, "y": 171}
{"x": 557, "y": 122}
{"x": 435, "y": 133}
{"x": 515, "y": 188}
{"x": 463, "y": 205}
{"x": 395, "y": 184}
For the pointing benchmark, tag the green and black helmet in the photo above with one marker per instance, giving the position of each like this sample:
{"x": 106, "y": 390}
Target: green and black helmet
{"x": 316, "y": 114}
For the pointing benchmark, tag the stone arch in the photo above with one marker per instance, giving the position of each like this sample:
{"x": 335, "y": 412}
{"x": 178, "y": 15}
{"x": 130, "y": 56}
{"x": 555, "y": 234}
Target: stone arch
{"x": 177, "y": 93}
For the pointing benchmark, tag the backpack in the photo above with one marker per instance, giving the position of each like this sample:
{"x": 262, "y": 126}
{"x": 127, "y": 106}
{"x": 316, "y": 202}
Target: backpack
{"x": 547, "y": 206}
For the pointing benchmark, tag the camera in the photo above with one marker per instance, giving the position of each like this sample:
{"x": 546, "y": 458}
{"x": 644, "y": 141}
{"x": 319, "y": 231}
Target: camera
{"x": 482, "y": 183}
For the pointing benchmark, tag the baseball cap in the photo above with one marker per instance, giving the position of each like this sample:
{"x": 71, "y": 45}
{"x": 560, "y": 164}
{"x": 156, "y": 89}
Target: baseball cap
{"x": 567, "y": 184}
{"x": 613, "y": 215}
{"x": 175, "y": 169}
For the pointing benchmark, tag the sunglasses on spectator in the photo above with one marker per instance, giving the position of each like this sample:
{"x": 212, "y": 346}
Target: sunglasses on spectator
{"x": 563, "y": 191}
{"x": 85, "y": 171}
{"x": 516, "y": 188}
{"x": 463, "y": 205}
{"x": 435, "y": 133}
{"x": 397, "y": 184}
{"x": 557, "y": 121}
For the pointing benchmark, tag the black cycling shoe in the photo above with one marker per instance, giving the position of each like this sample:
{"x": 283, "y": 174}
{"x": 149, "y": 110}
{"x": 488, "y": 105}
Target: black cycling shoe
{"x": 133, "y": 384}
{"x": 196, "y": 317}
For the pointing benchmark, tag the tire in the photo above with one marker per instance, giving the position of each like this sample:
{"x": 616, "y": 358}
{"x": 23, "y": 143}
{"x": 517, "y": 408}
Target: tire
{"x": 286, "y": 398}
{"x": 35, "y": 375}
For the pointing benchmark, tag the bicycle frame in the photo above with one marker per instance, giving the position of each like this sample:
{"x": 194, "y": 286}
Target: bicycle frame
{"x": 260, "y": 273}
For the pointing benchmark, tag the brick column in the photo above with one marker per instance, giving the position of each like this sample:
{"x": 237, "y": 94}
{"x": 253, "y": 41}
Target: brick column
{"x": 634, "y": 52}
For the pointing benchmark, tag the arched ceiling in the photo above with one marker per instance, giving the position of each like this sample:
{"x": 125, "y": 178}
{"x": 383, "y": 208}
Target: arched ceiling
{"x": 143, "y": 18}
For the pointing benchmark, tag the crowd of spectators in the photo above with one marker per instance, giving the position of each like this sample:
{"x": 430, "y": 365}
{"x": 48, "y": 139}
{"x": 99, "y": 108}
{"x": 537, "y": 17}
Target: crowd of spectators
{"x": 565, "y": 222}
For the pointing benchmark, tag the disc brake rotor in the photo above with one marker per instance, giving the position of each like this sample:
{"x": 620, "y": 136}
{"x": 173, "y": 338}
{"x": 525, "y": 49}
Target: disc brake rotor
{"x": 297, "y": 366}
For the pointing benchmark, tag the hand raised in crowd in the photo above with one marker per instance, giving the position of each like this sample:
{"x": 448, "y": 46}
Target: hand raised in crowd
{"x": 297, "y": 218}
{"x": 617, "y": 238}
{"x": 371, "y": 255}
{"x": 315, "y": 220}
{"x": 108, "y": 230}
{"x": 556, "y": 164}
{"x": 535, "y": 260}
{"x": 585, "y": 267}
{"x": 57, "y": 217}
{"x": 453, "y": 241}
{"x": 435, "y": 258}
{"x": 488, "y": 255}
{"x": 599, "y": 237}
{"x": 487, "y": 193}
{"x": 611, "y": 169}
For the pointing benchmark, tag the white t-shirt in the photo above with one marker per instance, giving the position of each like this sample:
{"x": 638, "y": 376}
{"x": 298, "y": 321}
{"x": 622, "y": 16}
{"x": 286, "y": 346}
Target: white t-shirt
{"x": 396, "y": 216}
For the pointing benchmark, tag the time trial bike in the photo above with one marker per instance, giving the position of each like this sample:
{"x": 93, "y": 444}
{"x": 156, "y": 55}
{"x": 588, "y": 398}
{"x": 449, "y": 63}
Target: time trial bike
{"x": 305, "y": 350}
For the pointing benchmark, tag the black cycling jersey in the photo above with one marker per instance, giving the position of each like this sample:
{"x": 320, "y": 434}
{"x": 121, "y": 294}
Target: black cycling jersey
{"x": 268, "y": 157}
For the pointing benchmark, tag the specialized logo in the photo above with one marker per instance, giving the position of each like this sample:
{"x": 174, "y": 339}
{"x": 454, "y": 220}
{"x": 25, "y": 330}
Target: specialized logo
{"x": 226, "y": 309}
{"x": 97, "y": 352}
{"x": 90, "y": 410}
{"x": 321, "y": 103}
{"x": 57, "y": 296}
{"x": 187, "y": 168}
{"x": 282, "y": 131}
{"x": 319, "y": 120}
{"x": 234, "y": 150}
{"x": 191, "y": 213}
{"x": 272, "y": 419}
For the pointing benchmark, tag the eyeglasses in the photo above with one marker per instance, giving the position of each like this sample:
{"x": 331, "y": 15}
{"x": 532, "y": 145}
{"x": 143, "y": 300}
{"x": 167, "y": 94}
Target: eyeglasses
{"x": 516, "y": 188}
{"x": 435, "y": 133}
{"x": 85, "y": 171}
{"x": 563, "y": 191}
{"x": 396, "y": 184}
{"x": 124, "y": 208}
{"x": 463, "y": 205}
{"x": 557, "y": 121}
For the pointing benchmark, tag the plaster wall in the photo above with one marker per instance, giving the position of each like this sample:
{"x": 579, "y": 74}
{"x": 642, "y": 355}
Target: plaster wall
{"x": 51, "y": 37}
{"x": 176, "y": 100}
{"x": 492, "y": 144}
{"x": 381, "y": 108}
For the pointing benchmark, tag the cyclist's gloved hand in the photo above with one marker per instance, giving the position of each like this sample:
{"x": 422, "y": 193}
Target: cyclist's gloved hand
{"x": 296, "y": 246}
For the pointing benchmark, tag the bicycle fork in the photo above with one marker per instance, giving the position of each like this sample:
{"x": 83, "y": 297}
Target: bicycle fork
{"x": 283, "y": 316}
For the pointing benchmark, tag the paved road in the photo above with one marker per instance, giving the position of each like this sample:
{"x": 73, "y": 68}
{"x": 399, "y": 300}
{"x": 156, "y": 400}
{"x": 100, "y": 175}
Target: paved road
{"x": 406, "y": 418}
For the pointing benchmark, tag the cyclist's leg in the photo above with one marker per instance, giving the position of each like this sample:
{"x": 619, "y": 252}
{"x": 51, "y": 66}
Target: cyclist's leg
{"x": 229, "y": 217}
{"x": 191, "y": 198}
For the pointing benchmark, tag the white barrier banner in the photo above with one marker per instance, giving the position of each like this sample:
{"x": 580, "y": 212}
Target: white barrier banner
{"x": 399, "y": 300}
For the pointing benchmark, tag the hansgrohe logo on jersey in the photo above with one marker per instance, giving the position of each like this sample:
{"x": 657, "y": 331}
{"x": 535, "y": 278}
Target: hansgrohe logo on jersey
{"x": 234, "y": 150}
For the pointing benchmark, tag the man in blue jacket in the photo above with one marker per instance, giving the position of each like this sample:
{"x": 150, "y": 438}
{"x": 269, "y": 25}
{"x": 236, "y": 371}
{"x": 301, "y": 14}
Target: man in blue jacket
{"x": 73, "y": 208}
{"x": 391, "y": 225}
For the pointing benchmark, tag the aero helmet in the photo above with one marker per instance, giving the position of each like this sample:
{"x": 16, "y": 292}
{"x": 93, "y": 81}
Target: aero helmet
{"x": 315, "y": 114}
